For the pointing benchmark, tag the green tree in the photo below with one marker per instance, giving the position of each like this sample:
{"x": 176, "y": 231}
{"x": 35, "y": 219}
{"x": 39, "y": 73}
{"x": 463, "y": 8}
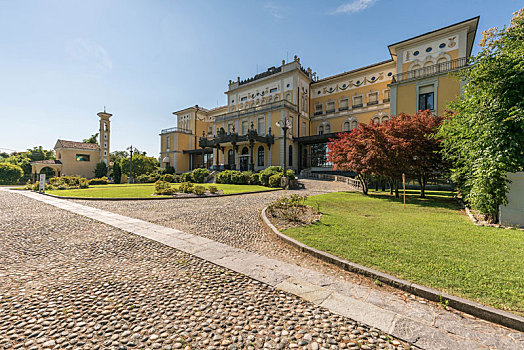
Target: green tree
{"x": 141, "y": 165}
{"x": 91, "y": 139}
{"x": 484, "y": 134}
{"x": 24, "y": 159}
{"x": 117, "y": 173}
{"x": 10, "y": 174}
{"x": 101, "y": 169}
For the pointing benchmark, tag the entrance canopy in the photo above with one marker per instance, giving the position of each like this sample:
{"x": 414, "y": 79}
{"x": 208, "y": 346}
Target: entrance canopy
{"x": 54, "y": 164}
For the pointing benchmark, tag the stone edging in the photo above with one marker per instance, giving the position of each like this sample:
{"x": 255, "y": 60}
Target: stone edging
{"x": 155, "y": 198}
{"x": 481, "y": 311}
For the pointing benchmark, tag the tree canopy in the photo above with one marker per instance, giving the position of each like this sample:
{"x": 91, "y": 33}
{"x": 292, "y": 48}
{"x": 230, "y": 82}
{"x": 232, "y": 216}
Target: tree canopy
{"x": 92, "y": 139}
{"x": 141, "y": 165}
{"x": 483, "y": 136}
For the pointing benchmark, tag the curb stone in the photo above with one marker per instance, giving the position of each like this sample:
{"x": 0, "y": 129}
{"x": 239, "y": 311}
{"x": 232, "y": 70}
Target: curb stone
{"x": 487, "y": 313}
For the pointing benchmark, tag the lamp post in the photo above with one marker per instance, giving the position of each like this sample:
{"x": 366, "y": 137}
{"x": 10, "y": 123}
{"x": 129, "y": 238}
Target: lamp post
{"x": 284, "y": 125}
{"x": 130, "y": 178}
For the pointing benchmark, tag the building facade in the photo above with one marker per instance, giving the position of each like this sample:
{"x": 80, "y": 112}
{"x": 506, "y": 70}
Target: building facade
{"x": 243, "y": 134}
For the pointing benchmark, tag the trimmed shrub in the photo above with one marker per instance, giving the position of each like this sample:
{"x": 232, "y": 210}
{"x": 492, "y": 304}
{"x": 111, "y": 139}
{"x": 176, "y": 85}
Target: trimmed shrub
{"x": 168, "y": 178}
{"x": 186, "y": 177}
{"x": 200, "y": 175}
{"x": 199, "y": 190}
{"x": 212, "y": 189}
{"x": 186, "y": 187}
{"x": 100, "y": 181}
{"x": 169, "y": 191}
{"x": 10, "y": 174}
{"x": 255, "y": 179}
{"x": 117, "y": 173}
{"x": 124, "y": 179}
{"x": 160, "y": 186}
{"x": 267, "y": 173}
{"x": 275, "y": 180}
{"x": 68, "y": 182}
{"x": 101, "y": 170}
{"x": 290, "y": 174}
{"x": 168, "y": 170}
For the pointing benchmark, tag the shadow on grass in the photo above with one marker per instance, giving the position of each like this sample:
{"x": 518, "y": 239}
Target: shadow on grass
{"x": 434, "y": 199}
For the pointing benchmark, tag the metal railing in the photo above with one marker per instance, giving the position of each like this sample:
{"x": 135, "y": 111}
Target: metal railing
{"x": 257, "y": 109}
{"x": 176, "y": 129}
{"x": 355, "y": 184}
{"x": 431, "y": 70}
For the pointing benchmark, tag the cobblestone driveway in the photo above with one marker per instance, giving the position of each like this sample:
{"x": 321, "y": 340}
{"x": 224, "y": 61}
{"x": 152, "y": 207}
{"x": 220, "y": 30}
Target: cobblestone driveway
{"x": 69, "y": 282}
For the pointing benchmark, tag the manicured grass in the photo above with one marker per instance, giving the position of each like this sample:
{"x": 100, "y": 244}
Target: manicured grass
{"x": 142, "y": 190}
{"x": 431, "y": 242}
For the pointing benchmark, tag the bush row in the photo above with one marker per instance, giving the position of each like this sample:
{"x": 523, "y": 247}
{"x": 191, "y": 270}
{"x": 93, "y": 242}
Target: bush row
{"x": 197, "y": 175}
{"x": 165, "y": 188}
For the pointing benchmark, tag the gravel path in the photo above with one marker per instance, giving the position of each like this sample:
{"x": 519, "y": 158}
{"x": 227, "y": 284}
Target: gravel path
{"x": 69, "y": 282}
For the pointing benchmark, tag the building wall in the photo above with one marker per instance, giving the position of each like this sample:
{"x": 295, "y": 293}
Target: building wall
{"x": 70, "y": 166}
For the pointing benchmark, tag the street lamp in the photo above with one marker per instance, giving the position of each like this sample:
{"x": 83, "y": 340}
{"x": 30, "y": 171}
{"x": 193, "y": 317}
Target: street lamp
{"x": 284, "y": 125}
{"x": 131, "y": 150}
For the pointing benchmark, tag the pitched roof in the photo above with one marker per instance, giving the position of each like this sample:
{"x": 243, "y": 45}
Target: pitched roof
{"x": 78, "y": 145}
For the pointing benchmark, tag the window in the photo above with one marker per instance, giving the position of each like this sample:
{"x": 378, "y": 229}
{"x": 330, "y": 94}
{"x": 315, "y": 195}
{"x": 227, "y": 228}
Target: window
{"x": 260, "y": 156}
{"x": 82, "y": 158}
{"x": 386, "y": 95}
{"x": 373, "y": 98}
{"x": 385, "y": 119}
{"x": 304, "y": 129}
{"x": 209, "y": 129}
{"x": 330, "y": 107}
{"x": 426, "y": 98}
{"x": 105, "y": 144}
{"x": 230, "y": 127}
{"x": 260, "y": 126}
{"x": 320, "y": 130}
{"x": 318, "y": 109}
{"x": 244, "y": 127}
{"x": 327, "y": 128}
{"x": 243, "y": 98}
{"x": 357, "y": 101}
{"x": 376, "y": 120}
{"x": 105, "y": 136}
{"x": 354, "y": 124}
{"x": 343, "y": 105}
{"x": 230, "y": 157}
{"x": 290, "y": 156}
{"x": 105, "y": 153}
{"x": 288, "y": 97}
{"x": 273, "y": 90}
{"x": 106, "y": 128}
{"x": 347, "y": 126}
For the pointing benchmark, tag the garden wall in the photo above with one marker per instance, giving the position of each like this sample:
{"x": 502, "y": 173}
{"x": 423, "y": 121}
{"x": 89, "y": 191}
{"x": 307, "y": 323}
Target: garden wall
{"x": 512, "y": 214}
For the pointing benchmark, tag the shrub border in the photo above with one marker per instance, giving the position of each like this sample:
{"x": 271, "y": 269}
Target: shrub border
{"x": 156, "y": 198}
{"x": 470, "y": 307}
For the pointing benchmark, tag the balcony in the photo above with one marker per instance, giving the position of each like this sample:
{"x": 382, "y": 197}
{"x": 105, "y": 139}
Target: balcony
{"x": 371, "y": 103}
{"x": 430, "y": 70}
{"x": 357, "y": 106}
{"x": 268, "y": 107}
{"x": 176, "y": 129}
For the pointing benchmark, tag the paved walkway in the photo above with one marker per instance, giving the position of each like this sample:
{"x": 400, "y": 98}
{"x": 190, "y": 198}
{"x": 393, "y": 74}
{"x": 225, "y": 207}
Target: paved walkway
{"x": 421, "y": 324}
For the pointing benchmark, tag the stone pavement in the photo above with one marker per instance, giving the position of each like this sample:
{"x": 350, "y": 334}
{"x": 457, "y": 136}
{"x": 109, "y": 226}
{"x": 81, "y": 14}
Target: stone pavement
{"x": 70, "y": 282}
{"x": 418, "y": 323}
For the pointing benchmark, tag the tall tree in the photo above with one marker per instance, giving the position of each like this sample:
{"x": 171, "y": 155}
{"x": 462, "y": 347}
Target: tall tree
{"x": 92, "y": 139}
{"x": 117, "y": 173}
{"x": 141, "y": 165}
{"x": 483, "y": 137}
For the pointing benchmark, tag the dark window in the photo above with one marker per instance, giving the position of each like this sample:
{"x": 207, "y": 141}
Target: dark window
{"x": 273, "y": 90}
{"x": 82, "y": 157}
{"x": 425, "y": 101}
{"x": 260, "y": 156}
{"x": 230, "y": 158}
{"x": 243, "y": 98}
{"x": 319, "y": 155}
{"x": 290, "y": 156}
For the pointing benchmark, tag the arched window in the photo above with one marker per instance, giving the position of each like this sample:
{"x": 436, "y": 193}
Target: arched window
{"x": 320, "y": 130}
{"x": 260, "y": 156}
{"x": 230, "y": 157}
{"x": 442, "y": 60}
{"x": 428, "y": 63}
{"x": 354, "y": 124}
{"x": 347, "y": 126}
{"x": 328, "y": 128}
{"x": 385, "y": 119}
{"x": 376, "y": 120}
{"x": 290, "y": 156}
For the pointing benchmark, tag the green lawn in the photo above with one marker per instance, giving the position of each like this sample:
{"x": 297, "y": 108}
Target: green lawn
{"x": 431, "y": 242}
{"x": 142, "y": 190}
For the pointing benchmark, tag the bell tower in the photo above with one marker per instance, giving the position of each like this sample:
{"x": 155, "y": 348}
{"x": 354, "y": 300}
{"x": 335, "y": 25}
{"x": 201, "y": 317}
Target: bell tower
{"x": 104, "y": 135}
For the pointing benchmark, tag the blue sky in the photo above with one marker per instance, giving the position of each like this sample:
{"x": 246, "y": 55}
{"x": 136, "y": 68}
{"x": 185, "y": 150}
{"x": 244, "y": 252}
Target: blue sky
{"x": 61, "y": 62}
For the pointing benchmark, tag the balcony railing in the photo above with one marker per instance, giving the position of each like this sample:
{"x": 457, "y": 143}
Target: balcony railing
{"x": 257, "y": 109}
{"x": 431, "y": 70}
{"x": 176, "y": 129}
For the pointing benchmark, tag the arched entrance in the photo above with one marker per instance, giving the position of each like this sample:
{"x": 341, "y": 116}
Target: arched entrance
{"x": 244, "y": 159}
{"x": 49, "y": 167}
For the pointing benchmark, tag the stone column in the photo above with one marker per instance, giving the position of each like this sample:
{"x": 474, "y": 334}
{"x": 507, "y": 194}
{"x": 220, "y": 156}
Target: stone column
{"x": 251, "y": 158}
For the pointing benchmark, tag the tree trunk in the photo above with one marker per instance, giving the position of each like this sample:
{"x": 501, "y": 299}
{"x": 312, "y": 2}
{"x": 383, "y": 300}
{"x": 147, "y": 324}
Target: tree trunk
{"x": 364, "y": 182}
{"x": 396, "y": 189}
{"x": 422, "y": 182}
{"x": 376, "y": 185}
{"x": 390, "y": 181}
{"x": 383, "y": 185}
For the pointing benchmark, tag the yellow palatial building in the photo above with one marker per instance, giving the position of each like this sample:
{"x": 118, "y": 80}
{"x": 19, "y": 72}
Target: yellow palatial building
{"x": 243, "y": 134}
